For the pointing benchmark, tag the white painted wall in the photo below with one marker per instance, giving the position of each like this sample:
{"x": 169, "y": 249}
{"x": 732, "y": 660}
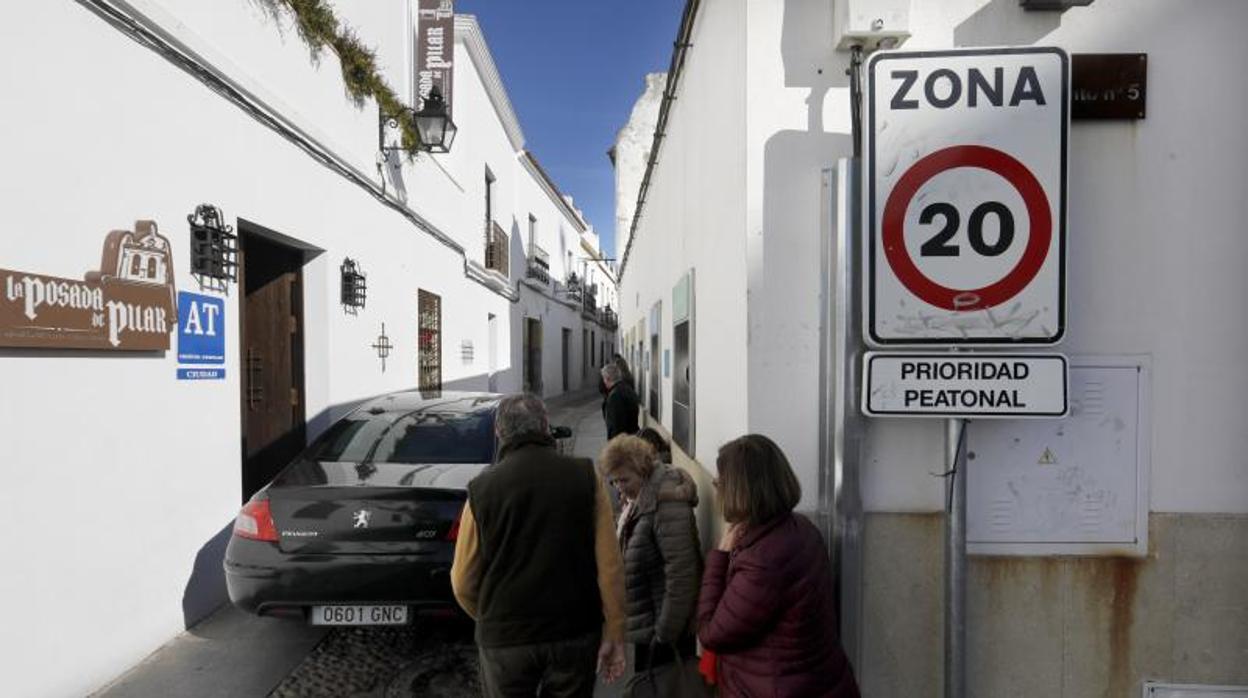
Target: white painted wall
{"x": 1155, "y": 210}
{"x": 792, "y": 71}
{"x": 694, "y": 218}
{"x": 119, "y": 478}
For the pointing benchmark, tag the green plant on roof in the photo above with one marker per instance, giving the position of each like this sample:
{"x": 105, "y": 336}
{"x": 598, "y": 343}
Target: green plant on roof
{"x": 319, "y": 28}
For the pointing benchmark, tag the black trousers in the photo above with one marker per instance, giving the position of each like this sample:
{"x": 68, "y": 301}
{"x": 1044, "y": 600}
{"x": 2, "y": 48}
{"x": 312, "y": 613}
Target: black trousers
{"x": 563, "y": 669}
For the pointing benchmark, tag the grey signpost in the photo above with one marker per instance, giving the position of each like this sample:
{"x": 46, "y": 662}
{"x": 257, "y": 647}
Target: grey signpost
{"x": 964, "y": 206}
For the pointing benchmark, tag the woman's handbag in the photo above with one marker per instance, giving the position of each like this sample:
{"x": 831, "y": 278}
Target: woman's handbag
{"x": 675, "y": 679}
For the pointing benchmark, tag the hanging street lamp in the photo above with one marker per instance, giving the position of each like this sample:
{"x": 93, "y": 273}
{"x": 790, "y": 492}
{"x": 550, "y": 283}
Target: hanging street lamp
{"x": 434, "y": 124}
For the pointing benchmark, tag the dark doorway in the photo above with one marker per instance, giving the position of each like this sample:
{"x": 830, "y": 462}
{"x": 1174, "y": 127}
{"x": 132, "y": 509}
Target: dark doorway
{"x": 533, "y": 356}
{"x": 639, "y": 368}
{"x": 567, "y": 343}
{"x": 271, "y": 334}
{"x": 656, "y": 318}
{"x": 584, "y": 355}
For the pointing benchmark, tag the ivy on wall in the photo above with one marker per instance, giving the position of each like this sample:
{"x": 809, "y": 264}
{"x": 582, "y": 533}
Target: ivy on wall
{"x": 319, "y": 28}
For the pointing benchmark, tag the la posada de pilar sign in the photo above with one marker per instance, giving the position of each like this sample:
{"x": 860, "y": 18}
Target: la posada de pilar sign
{"x": 129, "y": 304}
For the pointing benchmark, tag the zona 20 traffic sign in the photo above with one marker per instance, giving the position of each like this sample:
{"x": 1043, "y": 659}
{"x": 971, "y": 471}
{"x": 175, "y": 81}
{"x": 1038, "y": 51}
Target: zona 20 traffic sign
{"x": 966, "y": 196}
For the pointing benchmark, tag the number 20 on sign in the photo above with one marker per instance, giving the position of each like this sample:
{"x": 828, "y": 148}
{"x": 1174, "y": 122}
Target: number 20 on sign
{"x": 965, "y": 196}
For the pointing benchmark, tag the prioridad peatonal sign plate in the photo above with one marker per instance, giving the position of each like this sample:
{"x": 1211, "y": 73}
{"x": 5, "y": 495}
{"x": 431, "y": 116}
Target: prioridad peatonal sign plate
{"x": 964, "y": 385}
{"x": 965, "y": 196}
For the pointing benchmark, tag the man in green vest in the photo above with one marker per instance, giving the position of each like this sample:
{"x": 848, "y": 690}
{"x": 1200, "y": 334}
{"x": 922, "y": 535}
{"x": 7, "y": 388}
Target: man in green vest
{"x": 538, "y": 566}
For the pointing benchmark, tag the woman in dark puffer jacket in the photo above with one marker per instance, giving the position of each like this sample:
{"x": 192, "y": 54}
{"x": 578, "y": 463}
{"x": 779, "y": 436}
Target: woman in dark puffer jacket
{"x": 766, "y": 606}
{"x": 662, "y": 553}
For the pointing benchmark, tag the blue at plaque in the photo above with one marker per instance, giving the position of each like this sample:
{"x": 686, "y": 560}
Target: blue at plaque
{"x": 201, "y": 329}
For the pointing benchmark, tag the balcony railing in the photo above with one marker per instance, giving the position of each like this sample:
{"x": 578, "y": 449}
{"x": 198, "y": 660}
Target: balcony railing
{"x": 539, "y": 264}
{"x": 497, "y": 251}
{"x": 573, "y": 289}
{"x": 589, "y": 302}
{"x": 607, "y": 318}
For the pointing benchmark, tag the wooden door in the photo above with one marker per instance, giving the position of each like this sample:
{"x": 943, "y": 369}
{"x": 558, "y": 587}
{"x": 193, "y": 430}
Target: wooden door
{"x": 533, "y": 356}
{"x": 274, "y": 431}
{"x": 566, "y": 346}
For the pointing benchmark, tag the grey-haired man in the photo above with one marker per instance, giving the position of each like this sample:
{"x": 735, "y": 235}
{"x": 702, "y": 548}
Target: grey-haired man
{"x": 537, "y": 564}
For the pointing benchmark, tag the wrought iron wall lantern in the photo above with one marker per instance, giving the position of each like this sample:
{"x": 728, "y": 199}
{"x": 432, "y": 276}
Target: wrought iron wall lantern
{"x": 354, "y": 285}
{"x": 214, "y": 247}
{"x": 433, "y": 123}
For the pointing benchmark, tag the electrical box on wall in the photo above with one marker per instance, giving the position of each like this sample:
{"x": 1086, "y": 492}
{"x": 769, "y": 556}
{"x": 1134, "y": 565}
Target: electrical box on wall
{"x": 1174, "y": 690}
{"x": 871, "y": 24}
{"x": 1073, "y": 486}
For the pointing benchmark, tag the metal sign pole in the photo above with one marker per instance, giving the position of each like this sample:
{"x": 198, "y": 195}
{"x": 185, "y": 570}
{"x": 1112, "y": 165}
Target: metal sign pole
{"x": 955, "y": 558}
{"x": 842, "y": 423}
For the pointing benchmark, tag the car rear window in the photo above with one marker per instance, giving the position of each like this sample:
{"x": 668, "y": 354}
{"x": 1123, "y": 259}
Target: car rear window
{"x": 423, "y": 437}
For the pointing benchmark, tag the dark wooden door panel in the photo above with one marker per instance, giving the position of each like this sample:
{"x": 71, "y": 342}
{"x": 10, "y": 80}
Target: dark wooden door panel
{"x": 272, "y": 354}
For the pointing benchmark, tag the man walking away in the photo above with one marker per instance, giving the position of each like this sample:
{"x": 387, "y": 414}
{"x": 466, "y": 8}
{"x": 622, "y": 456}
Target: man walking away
{"x": 538, "y": 566}
{"x": 622, "y": 404}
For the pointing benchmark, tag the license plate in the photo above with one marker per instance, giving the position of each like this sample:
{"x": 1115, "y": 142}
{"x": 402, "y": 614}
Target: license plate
{"x": 359, "y": 615}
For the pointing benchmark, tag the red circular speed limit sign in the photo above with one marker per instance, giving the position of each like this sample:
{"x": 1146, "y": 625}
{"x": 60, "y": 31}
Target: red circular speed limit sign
{"x": 892, "y": 234}
{"x": 964, "y": 197}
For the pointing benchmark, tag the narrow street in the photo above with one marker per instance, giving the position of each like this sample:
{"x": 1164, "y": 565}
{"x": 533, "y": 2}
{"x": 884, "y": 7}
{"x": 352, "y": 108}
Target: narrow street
{"x": 234, "y": 654}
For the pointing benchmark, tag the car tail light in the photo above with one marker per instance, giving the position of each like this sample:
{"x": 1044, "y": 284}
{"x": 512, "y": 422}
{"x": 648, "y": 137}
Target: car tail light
{"x": 255, "y": 521}
{"x": 453, "y": 534}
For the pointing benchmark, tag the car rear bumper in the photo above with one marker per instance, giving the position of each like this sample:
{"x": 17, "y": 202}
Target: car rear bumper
{"x": 263, "y": 580}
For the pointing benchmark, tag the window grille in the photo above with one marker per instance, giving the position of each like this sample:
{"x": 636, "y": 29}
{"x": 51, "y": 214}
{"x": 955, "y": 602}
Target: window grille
{"x": 429, "y": 326}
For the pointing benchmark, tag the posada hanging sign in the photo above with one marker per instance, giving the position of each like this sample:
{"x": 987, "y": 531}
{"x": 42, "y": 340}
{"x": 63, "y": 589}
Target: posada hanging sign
{"x": 435, "y": 50}
{"x": 129, "y": 304}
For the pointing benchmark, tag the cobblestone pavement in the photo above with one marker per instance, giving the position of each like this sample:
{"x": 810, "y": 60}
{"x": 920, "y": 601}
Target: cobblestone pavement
{"x": 435, "y": 657}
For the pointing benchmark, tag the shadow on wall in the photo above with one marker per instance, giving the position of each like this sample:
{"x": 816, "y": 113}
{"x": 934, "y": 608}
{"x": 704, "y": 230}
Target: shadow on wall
{"x": 786, "y": 306}
{"x": 205, "y": 590}
{"x": 1004, "y": 23}
{"x": 516, "y": 255}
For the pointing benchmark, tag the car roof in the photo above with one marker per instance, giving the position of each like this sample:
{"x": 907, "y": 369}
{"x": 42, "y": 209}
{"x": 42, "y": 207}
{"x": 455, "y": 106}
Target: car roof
{"x": 442, "y": 402}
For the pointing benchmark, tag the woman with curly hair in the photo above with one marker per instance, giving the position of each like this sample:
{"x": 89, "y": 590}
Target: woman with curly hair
{"x": 662, "y": 559}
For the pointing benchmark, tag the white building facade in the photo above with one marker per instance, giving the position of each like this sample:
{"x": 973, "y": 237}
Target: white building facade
{"x": 728, "y": 240}
{"x": 124, "y": 469}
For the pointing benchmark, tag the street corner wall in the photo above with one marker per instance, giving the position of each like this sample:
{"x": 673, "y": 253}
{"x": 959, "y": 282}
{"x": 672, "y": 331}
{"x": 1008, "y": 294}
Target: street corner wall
{"x": 1059, "y": 626}
{"x": 1101, "y": 625}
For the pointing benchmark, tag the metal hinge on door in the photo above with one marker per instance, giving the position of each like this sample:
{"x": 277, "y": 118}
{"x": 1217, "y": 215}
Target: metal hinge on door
{"x": 294, "y": 324}
{"x": 294, "y": 397}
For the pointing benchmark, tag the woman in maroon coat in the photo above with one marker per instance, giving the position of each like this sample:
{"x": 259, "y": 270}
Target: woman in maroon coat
{"x": 766, "y": 606}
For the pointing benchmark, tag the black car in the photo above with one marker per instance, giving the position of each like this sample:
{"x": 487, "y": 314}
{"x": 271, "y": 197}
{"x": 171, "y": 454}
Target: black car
{"x": 360, "y": 529}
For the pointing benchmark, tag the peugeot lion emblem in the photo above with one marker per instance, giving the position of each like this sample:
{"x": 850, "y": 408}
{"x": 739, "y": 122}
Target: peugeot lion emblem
{"x": 361, "y": 518}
